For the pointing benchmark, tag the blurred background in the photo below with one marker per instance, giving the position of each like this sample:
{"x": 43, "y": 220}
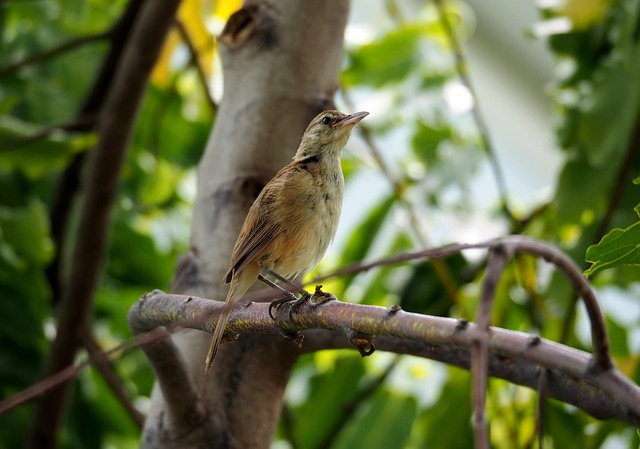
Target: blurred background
{"x": 487, "y": 118}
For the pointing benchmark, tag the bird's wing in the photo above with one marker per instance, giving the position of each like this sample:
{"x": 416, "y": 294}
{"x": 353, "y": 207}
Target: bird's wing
{"x": 253, "y": 239}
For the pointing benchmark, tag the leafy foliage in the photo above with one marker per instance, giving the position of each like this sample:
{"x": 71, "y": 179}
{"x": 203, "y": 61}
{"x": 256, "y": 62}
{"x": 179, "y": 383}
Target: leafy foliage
{"x": 436, "y": 157}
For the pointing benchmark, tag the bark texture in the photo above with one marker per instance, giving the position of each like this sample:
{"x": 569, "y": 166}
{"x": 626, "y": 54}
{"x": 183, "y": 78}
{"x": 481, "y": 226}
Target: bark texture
{"x": 281, "y": 60}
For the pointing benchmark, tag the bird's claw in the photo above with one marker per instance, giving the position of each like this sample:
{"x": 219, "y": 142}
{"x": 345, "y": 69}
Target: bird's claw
{"x": 297, "y": 337}
{"x": 275, "y": 304}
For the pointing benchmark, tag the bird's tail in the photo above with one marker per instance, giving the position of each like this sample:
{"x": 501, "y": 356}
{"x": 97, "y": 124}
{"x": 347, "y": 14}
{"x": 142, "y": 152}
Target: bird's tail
{"x": 240, "y": 283}
{"x": 219, "y": 331}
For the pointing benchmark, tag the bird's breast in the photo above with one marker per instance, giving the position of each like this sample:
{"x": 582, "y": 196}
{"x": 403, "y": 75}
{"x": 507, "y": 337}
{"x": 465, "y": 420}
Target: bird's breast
{"x": 309, "y": 215}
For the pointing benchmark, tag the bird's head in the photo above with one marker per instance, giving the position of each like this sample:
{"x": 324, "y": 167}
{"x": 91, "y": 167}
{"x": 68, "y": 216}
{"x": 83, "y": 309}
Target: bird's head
{"x": 328, "y": 133}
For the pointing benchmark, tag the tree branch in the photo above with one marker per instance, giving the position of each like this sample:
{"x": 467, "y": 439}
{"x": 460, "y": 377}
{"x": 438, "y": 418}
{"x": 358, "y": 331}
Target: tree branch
{"x": 442, "y": 271}
{"x": 518, "y": 244}
{"x": 55, "y": 51}
{"x": 498, "y": 258}
{"x": 515, "y": 356}
{"x": 101, "y": 363}
{"x": 461, "y": 67}
{"x": 116, "y": 122}
{"x": 187, "y": 416}
{"x": 69, "y": 183}
{"x": 195, "y": 59}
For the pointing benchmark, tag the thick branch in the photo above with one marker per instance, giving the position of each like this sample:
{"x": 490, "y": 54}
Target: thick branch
{"x": 116, "y": 122}
{"x": 515, "y": 356}
{"x": 69, "y": 182}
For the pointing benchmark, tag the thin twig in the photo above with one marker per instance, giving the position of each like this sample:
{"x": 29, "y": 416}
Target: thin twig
{"x": 79, "y": 123}
{"x": 69, "y": 372}
{"x": 462, "y": 70}
{"x": 195, "y": 59}
{"x": 498, "y": 258}
{"x": 542, "y": 396}
{"x": 441, "y": 269}
{"x": 55, "y": 51}
{"x": 69, "y": 183}
{"x": 101, "y": 363}
{"x": 520, "y": 244}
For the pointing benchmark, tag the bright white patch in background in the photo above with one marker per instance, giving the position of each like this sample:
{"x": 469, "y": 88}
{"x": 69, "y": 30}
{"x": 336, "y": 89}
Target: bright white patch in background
{"x": 546, "y": 4}
{"x": 50, "y": 329}
{"x": 216, "y": 84}
{"x": 358, "y": 34}
{"x": 188, "y": 187}
{"x": 420, "y": 378}
{"x": 458, "y": 97}
{"x": 557, "y": 25}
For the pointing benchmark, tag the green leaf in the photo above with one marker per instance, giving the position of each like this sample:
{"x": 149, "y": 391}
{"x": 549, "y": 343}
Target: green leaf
{"x": 160, "y": 184}
{"x": 618, "y": 338}
{"x": 581, "y": 188}
{"x": 427, "y": 138}
{"x": 389, "y": 59}
{"x": 362, "y": 238}
{"x": 447, "y": 424}
{"x": 26, "y": 232}
{"x": 424, "y": 291}
{"x": 39, "y": 157}
{"x": 330, "y": 392}
{"x": 385, "y": 424}
{"x": 618, "y": 247}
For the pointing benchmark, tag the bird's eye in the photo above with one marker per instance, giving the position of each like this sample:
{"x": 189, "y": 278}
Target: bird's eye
{"x": 326, "y": 120}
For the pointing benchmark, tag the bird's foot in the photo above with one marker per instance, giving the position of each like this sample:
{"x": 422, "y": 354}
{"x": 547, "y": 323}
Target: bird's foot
{"x": 288, "y": 297}
{"x": 304, "y": 296}
{"x": 319, "y": 297}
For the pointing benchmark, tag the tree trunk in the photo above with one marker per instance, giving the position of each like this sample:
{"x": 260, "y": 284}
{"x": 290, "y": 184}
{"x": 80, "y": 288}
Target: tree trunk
{"x": 281, "y": 60}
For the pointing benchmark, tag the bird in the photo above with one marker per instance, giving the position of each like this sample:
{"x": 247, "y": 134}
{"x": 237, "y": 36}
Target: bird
{"x": 294, "y": 218}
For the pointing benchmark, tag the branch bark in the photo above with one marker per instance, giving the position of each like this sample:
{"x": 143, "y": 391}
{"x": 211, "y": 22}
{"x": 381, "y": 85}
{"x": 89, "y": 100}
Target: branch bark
{"x": 513, "y": 356}
{"x": 281, "y": 60}
{"x": 116, "y": 122}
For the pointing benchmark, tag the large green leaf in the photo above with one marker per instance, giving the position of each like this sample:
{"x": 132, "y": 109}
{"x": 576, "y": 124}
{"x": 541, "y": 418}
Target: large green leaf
{"x": 389, "y": 59}
{"x": 39, "y": 157}
{"x": 364, "y": 234}
{"x": 26, "y": 232}
{"x": 329, "y": 393}
{"x": 385, "y": 424}
{"x": 618, "y": 247}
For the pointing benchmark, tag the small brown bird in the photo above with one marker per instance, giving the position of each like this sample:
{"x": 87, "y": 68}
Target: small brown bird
{"x": 291, "y": 223}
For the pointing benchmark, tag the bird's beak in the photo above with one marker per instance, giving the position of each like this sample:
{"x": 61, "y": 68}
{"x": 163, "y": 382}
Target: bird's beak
{"x": 351, "y": 119}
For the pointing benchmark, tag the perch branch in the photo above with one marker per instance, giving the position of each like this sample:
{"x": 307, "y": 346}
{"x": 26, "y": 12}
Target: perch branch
{"x": 602, "y": 394}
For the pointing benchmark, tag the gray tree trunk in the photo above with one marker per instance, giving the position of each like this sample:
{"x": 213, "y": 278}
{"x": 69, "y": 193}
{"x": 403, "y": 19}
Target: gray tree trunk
{"x": 281, "y": 60}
